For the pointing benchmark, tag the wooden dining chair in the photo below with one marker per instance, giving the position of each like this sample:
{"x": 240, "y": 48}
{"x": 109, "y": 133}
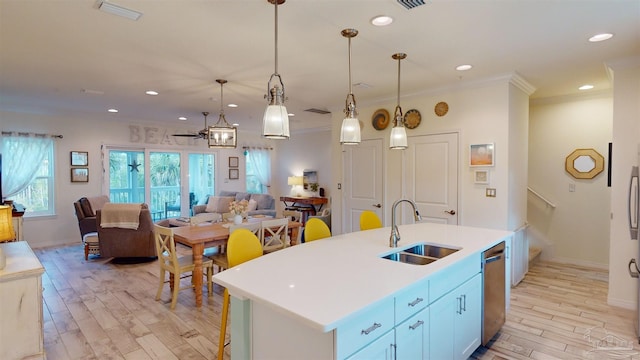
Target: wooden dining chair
{"x": 243, "y": 245}
{"x": 220, "y": 258}
{"x": 369, "y": 220}
{"x": 292, "y": 215}
{"x": 316, "y": 229}
{"x": 274, "y": 234}
{"x": 176, "y": 266}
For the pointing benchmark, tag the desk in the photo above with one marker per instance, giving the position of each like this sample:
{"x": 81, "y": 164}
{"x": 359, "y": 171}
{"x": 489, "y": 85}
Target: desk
{"x": 208, "y": 235}
{"x": 309, "y": 204}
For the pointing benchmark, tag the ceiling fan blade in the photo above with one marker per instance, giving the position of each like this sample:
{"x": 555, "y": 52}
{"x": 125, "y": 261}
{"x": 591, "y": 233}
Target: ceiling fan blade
{"x": 187, "y": 135}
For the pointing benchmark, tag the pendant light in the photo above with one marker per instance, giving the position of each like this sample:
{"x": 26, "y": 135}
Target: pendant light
{"x": 398, "y": 140}
{"x": 350, "y": 132}
{"x": 275, "y": 123}
{"x": 222, "y": 135}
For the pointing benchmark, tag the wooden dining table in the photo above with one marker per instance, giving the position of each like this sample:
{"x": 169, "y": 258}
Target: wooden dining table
{"x": 200, "y": 236}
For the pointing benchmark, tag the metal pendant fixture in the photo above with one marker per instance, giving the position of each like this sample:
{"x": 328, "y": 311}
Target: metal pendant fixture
{"x": 350, "y": 131}
{"x": 398, "y": 140}
{"x": 275, "y": 123}
{"x": 222, "y": 135}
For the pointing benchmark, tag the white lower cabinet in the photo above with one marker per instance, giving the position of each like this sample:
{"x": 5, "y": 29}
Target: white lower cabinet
{"x": 455, "y": 321}
{"x": 412, "y": 337}
{"x": 381, "y": 349}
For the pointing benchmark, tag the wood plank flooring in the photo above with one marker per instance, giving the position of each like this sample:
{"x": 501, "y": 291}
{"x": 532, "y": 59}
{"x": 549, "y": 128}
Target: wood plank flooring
{"x": 99, "y": 310}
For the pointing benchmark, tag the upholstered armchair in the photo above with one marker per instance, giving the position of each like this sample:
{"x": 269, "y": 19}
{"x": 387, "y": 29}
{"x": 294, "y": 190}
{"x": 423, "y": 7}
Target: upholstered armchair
{"x": 127, "y": 243}
{"x": 85, "y": 212}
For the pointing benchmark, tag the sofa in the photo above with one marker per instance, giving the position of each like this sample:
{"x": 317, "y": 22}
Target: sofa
{"x": 86, "y": 208}
{"x": 120, "y": 242}
{"x": 264, "y": 204}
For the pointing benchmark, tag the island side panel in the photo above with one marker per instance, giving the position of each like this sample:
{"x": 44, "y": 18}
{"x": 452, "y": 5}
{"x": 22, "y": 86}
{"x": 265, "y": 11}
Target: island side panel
{"x": 240, "y": 328}
{"x": 277, "y": 336}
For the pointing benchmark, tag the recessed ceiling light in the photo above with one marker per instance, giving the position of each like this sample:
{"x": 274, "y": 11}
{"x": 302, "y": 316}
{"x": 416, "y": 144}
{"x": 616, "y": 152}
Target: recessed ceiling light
{"x": 382, "y": 20}
{"x": 291, "y": 114}
{"x": 93, "y": 92}
{"x": 235, "y": 124}
{"x": 586, "y": 87}
{"x": 113, "y": 110}
{"x": 600, "y": 37}
{"x": 182, "y": 118}
{"x": 463, "y": 67}
{"x": 151, "y": 92}
{"x": 233, "y": 105}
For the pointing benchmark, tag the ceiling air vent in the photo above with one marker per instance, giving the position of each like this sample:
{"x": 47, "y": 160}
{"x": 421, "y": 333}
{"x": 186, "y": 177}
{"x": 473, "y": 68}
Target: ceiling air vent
{"x": 318, "y": 111}
{"x": 410, "y": 4}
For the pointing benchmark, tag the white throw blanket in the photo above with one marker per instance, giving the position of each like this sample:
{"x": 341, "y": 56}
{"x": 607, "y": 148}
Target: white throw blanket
{"x": 119, "y": 215}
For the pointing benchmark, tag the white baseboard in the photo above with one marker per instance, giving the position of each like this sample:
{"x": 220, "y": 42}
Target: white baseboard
{"x": 626, "y": 304}
{"x": 584, "y": 263}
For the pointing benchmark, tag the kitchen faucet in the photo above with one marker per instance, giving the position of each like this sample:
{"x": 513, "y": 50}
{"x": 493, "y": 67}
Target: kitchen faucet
{"x": 395, "y": 234}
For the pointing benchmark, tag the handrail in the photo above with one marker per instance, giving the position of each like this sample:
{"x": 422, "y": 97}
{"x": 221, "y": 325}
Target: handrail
{"x": 549, "y": 203}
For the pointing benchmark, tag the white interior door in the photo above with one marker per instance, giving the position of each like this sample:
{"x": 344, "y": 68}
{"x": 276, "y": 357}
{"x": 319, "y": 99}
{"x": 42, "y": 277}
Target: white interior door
{"x": 363, "y": 180}
{"x": 431, "y": 177}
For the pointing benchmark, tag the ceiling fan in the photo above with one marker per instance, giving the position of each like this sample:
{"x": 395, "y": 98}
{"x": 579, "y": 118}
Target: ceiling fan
{"x": 202, "y": 134}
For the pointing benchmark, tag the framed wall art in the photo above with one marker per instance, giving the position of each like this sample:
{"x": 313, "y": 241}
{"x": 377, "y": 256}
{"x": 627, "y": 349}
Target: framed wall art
{"x": 233, "y": 161}
{"x": 234, "y": 174}
{"x": 79, "y": 158}
{"x": 481, "y": 177}
{"x": 481, "y": 154}
{"x": 80, "y": 175}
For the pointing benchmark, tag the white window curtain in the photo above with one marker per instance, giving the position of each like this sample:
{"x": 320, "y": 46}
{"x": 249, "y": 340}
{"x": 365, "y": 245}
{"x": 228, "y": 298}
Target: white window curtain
{"x": 22, "y": 157}
{"x": 260, "y": 160}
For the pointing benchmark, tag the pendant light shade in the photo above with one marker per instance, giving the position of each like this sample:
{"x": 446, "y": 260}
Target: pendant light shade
{"x": 222, "y": 135}
{"x": 398, "y": 139}
{"x": 350, "y": 131}
{"x": 275, "y": 123}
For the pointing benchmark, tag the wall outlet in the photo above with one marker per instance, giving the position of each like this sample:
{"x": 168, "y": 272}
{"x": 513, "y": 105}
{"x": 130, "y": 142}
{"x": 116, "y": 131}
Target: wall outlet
{"x": 572, "y": 187}
{"x": 339, "y": 186}
{"x": 491, "y": 192}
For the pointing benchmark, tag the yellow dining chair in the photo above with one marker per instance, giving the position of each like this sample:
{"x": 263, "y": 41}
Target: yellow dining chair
{"x": 176, "y": 266}
{"x": 316, "y": 229}
{"x": 369, "y": 220}
{"x": 243, "y": 245}
{"x": 218, "y": 257}
{"x": 6, "y": 224}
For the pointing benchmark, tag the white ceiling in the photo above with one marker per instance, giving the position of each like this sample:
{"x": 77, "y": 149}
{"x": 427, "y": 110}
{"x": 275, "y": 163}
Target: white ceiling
{"x": 51, "y": 50}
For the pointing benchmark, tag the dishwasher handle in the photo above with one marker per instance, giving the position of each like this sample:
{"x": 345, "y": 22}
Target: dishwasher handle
{"x": 496, "y": 257}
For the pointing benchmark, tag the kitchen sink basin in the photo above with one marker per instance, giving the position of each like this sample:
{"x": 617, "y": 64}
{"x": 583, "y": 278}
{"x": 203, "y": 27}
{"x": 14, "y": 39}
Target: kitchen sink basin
{"x": 409, "y": 258}
{"x": 421, "y": 254}
{"x": 434, "y": 251}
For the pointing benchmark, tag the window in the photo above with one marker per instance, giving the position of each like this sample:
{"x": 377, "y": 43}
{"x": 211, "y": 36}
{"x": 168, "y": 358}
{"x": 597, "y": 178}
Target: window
{"x": 31, "y": 186}
{"x": 258, "y": 170}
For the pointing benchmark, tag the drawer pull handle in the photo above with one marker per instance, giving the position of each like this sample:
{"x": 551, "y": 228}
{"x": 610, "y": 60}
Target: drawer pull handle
{"x": 370, "y": 329}
{"x": 416, "y": 325}
{"x": 459, "y": 309}
{"x": 464, "y": 303}
{"x": 416, "y": 302}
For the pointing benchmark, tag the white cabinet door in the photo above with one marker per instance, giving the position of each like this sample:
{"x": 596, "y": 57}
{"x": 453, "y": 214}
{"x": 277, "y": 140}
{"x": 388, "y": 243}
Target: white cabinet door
{"x": 468, "y": 324}
{"x": 455, "y": 322}
{"x": 412, "y": 337}
{"x": 381, "y": 349}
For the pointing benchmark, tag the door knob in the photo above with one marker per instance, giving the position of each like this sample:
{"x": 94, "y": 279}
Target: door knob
{"x": 377, "y": 205}
{"x": 450, "y": 212}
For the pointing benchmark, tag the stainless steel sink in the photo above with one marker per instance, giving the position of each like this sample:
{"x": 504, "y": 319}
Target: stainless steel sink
{"x": 421, "y": 254}
{"x": 409, "y": 258}
{"x": 434, "y": 251}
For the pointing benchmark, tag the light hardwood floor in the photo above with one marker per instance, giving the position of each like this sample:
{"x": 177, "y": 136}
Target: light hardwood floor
{"x": 98, "y": 310}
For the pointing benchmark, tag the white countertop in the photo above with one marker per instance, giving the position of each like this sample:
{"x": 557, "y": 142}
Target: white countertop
{"x": 324, "y": 282}
{"x": 21, "y": 261}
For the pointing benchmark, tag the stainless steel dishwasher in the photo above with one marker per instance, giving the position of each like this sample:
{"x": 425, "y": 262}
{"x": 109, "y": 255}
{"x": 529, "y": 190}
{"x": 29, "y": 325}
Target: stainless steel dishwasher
{"x": 493, "y": 299}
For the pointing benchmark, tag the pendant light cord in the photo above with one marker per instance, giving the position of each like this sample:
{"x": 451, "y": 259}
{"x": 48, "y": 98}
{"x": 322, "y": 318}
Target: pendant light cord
{"x": 350, "y": 82}
{"x": 276, "y": 32}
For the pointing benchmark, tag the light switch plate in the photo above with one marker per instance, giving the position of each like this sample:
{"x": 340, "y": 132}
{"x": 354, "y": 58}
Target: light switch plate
{"x": 491, "y": 192}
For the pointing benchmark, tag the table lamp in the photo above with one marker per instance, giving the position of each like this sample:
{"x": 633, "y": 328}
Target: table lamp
{"x": 294, "y": 181}
{"x": 6, "y": 224}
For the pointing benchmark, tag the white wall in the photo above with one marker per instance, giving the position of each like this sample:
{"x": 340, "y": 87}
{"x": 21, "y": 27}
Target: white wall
{"x": 577, "y": 230}
{"x": 480, "y": 113}
{"x": 626, "y": 138}
{"x": 82, "y": 134}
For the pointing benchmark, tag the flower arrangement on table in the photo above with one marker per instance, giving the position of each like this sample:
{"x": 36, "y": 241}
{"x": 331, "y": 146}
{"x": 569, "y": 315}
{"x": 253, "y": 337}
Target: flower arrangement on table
{"x": 238, "y": 207}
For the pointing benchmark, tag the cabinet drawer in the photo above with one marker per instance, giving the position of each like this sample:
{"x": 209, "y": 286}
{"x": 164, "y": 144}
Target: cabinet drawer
{"x": 364, "y": 328}
{"x": 453, "y": 275}
{"x": 411, "y": 300}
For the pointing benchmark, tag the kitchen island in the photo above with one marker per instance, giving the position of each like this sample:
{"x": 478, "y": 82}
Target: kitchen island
{"x": 337, "y": 298}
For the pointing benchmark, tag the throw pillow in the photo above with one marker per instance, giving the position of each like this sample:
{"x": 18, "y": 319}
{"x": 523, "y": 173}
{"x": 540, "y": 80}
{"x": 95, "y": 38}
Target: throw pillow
{"x": 242, "y": 196}
{"x": 219, "y": 204}
{"x": 253, "y": 205}
{"x": 265, "y": 201}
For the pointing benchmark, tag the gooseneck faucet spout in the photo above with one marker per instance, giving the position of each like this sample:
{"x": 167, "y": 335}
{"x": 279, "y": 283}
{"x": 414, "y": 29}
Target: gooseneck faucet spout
{"x": 395, "y": 234}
